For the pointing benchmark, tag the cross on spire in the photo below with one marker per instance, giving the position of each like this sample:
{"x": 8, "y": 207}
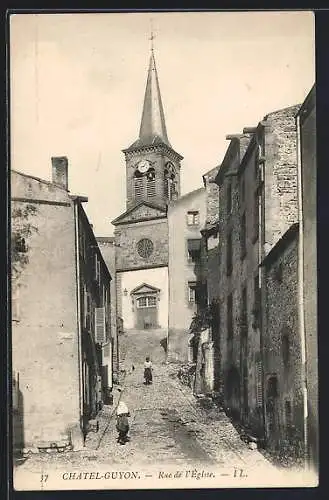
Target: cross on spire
{"x": 152, "y": 37}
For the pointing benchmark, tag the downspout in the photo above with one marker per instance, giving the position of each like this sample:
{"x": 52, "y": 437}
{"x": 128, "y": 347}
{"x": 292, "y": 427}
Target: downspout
{"x": 301, "y": 313}
{"x": 78, "y": 293}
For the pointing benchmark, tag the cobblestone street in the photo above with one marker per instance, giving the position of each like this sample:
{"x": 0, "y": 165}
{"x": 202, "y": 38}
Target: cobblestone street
{"x": 168, "y": 428}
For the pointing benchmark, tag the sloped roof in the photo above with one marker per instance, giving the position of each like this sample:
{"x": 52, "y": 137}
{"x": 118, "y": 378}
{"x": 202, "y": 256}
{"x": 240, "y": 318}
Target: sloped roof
{"x": 159, "y": 211}
{"x": 144, "y": 288}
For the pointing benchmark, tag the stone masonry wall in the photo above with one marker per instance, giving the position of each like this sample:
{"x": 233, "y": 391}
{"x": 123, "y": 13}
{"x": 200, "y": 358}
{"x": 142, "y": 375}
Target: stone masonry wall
{"x": 282, "y": 350}
{"x": 127, "y": 236}
{"x": 280, "y": 150}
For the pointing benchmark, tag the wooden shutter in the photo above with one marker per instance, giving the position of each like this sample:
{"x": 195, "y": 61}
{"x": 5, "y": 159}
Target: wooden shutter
{"x": 100, "y": 325}
{"x": 259, "y": 389}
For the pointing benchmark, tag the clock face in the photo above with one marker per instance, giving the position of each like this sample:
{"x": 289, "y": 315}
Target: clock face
{"x": 143, "y": 166}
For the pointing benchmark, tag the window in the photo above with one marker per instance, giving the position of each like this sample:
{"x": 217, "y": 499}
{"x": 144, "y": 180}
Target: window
{"x": 19, "y": 244}
{"x": 169, "y": 182}
{"x": 259, "y": 384}
{"x": 230, "y": 316}
{"x": 194, "y": 250}
{"x": 145, "y": 248}
{"x": 97, "y": 268}
{"x": 148, "y": 301}
{"x": 192, "y": 292}
{"x": 87, "y": 309}
{"x": 243, "y": 235}
{"x": 229, "y": 197}
{"x": 150, "y": 183}
{"x": 139, "y": 186}
{"x": 229, "y": 253}
{"x": 193, "y": 218}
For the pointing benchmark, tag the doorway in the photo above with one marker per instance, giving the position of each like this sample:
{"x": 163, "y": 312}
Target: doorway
{"x": 146, "y": 312}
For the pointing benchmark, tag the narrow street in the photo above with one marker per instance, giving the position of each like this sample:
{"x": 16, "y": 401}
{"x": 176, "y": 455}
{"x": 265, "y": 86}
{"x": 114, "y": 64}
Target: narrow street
{"x": 169, "y": 430}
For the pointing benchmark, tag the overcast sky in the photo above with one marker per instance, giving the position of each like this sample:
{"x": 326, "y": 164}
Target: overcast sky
{"x": 78, "y": 81}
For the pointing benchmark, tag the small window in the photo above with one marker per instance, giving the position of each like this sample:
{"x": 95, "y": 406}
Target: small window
{"x": 192, "y": 292}
{"x": 149, "y": 301}
{"x": 19, "y": 244}
{"x": 141, "y": 302}
{"x": 193, "y": 218}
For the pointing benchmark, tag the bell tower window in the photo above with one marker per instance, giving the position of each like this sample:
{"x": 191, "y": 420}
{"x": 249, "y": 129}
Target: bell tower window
{"x": 150, "y": 183}
{"x": 169, "y": 181}
{"x": 139, "y": 186}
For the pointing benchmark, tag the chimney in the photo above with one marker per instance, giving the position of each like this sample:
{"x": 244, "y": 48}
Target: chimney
{"x": 60, "y": 171}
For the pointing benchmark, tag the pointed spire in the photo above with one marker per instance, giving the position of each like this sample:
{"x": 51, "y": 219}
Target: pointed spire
{"x": 153, "y": 125}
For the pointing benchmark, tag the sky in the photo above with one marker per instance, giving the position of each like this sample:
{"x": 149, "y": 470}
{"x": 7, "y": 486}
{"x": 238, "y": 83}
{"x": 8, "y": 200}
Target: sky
{"x": 77, "y": 85}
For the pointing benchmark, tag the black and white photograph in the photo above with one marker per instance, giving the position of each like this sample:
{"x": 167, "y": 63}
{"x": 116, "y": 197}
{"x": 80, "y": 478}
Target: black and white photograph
{"x": 163, "y": 282}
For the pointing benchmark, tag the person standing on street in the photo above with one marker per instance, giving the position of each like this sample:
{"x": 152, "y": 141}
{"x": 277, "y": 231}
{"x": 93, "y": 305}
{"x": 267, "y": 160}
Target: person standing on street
{"x": 148, "y": 371}
{"x": 122, "y": 421}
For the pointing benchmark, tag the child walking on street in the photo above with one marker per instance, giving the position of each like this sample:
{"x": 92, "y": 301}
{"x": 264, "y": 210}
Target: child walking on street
{"x": 148, "y": 371}
{"x": 122, "y": 422}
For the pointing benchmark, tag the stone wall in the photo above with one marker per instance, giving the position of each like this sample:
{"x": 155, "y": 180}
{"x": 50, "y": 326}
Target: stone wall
{"x": 128, "y": 235}
{"x": 280, "y": 172}
{"x": 282, "y": 351}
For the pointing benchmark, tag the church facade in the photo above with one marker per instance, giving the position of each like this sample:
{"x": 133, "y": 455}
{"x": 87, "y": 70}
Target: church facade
{"x": 141, "y": 232}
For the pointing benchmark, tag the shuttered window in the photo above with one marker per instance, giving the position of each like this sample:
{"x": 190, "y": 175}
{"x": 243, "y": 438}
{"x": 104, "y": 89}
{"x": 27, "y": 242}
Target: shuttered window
{"x": 259, "y": 386}
{"x": 100, "y": 331}
{"x": 139, "y": 187}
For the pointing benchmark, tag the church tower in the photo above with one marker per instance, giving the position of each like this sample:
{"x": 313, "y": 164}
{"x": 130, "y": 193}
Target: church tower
{"x": 141, "y": 232}
{"x": 152, "y": 165}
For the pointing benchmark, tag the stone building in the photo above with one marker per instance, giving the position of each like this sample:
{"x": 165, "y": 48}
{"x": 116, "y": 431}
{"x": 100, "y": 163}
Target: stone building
{"x": 282, "y": 351}
{"x": 258, "y": 204}
{"x": 186, "y": 217}
{"x": 107, "y": 247}
{"x": 61, "y": 338}
{"x": 229, "y": 375}
{"x": 141, "y": 233}
{"x": 209, "y": 348}
{"x": 308, "y": 289}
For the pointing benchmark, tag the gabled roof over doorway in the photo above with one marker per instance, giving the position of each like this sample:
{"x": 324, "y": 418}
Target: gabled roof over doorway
{"x": 144, "y": 288}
